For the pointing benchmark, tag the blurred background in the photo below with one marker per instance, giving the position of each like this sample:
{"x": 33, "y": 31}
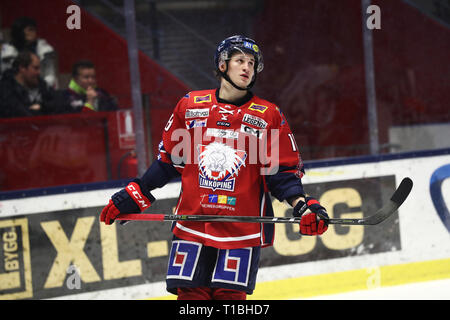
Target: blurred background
{"x": 87, "y": 87}
{"x": 314, "y": 70}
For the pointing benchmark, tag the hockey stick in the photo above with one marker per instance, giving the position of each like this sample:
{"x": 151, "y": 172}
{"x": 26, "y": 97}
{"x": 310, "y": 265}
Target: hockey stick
{"x": 382, "y": 214}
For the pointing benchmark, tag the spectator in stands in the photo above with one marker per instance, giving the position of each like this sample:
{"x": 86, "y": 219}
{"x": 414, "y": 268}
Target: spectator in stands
{"x": 22, "y": 91}
{"x": 24, "y": 37}
{"x": 83, "y": 93}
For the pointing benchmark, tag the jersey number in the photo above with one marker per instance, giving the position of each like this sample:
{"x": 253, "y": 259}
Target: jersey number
{"x": 169, "y": 123}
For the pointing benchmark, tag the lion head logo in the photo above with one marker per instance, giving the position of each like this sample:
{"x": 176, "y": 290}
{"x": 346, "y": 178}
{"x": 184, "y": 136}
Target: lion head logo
{"x": 218, "y": 161}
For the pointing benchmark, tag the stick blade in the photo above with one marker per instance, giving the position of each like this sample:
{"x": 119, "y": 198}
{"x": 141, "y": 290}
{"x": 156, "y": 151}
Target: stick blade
{"x": 386, "y": 211}
{"x": 402, "y": 191}
{"x": 394, "y": 203}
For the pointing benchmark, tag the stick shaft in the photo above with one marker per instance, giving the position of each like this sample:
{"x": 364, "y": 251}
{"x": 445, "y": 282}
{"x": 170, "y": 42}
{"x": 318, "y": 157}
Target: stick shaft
{"x": 246, "y": 219}
{"x": 382, "y": 214}
{"x": 205, "y": 218}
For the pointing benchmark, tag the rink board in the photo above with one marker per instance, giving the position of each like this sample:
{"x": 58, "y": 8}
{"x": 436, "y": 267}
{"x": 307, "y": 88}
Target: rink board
{"x": 53, "y": 246}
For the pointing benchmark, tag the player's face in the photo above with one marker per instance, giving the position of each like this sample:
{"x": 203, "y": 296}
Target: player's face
{"x": 241, "y": 68}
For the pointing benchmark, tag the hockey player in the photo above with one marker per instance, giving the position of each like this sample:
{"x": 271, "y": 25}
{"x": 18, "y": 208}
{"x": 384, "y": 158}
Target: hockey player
{"x": 232, "y": 149}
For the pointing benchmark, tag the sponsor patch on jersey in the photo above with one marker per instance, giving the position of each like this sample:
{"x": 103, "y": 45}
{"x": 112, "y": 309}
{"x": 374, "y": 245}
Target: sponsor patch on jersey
{"x": 258, "y": 107}
{"x": 222, "y": 133}
{"x": 196, "y": 113}
{"x": 253, "y": 131}
{"x": 218, "y": 201}
{"x": 201, "y": 99}
{"x": 223, "y": 199}
{"x": 218, "y": 165}
{"x": 196, "y": 123}
{"x": 223, "y": 123}
{"x": 254, "y": 121}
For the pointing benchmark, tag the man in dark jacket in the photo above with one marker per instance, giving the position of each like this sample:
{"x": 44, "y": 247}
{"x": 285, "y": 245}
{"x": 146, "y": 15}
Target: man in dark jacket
{"x": 83, "y": 93}
{"x": 23, "y": 92}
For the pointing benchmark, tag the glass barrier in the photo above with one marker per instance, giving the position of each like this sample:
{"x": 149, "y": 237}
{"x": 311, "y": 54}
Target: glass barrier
{"x": 47, "y": 151}
{"x": 314, "y": 71}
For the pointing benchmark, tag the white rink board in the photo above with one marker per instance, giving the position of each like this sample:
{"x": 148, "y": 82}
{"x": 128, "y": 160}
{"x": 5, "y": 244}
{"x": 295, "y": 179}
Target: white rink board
{"x": 423, "y": 234}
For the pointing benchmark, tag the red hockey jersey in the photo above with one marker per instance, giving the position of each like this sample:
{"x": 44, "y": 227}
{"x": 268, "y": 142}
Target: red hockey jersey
{"x": 230, "y": 157}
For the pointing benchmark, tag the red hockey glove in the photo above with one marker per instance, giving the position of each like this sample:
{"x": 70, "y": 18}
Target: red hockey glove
{"x": 133, "y": 199}
{"x": 311, "y": 223}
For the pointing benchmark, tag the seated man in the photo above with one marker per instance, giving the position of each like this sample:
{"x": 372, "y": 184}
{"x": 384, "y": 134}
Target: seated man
{"x": 83, "y": 93}
{"x": 22, "y": 91}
